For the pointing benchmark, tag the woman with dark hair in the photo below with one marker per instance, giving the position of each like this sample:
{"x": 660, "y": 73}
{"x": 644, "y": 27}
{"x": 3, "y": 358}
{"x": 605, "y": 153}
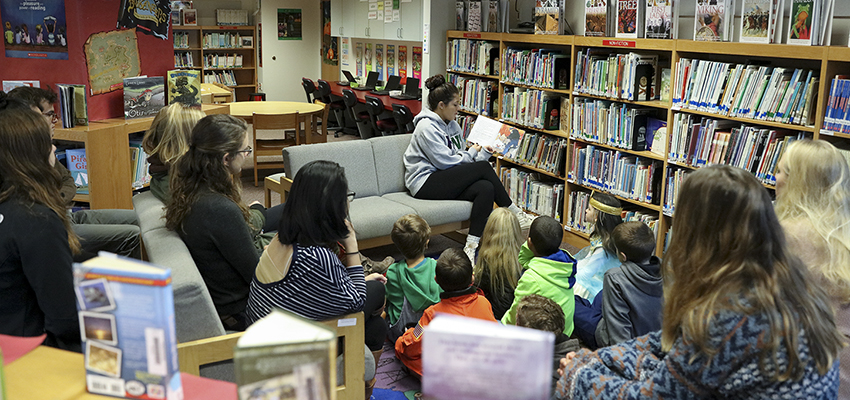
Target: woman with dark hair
{"x": 301, "y": 272}
{"x": 206, "y": 210}
{"x": 36, "y": 239}
{"x": 438, "y": 166}
{"x": 743, "y": 317}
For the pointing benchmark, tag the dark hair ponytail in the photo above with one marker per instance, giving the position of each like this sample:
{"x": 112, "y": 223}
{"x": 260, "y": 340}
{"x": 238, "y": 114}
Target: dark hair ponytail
{"x": 439, "y": 91}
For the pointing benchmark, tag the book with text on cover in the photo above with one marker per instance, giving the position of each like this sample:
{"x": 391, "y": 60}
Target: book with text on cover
{"x": 143, "y": 96}
{"x": 126, "y": 311}
{"x": 660, "y": 22}
{"x": 596, "y": 17}
{"x": 184, "y": 86}
{"x": 713, "y": 20}
{"x": 547, "y": 17}
{"x": 503, "y": 138}
{"x": 470, "y": 359}
{"x": 299, "y": 364}
{"x": 78, "y": 167}
{"x": 630, "y": 18}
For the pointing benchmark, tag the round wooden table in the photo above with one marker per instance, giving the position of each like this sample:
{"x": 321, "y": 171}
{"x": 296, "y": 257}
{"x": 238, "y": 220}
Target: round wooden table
{"x": 246, "y": 109}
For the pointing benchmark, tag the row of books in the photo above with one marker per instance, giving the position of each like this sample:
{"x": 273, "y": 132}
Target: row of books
{"x": 764, "y": 93}
{"x": 675, "y": 177}
{"x": 577, "y": 221}
{"x": 545, "y": 68}
{"x": 181, "y": 40}
{"x": 73, "y": 108}
{"x": 629, "y": 76}
{"x": 76, "y": 162}
{"x": 226, "y": 78}
{"x": 466, "y": 122}
{"x": 616, "y": 124}
{"x": 700, "y": 141}
{"x": 476, "y": 95}
{"x": 222, "y": 40}
{"x": 183, "y": 59}
{"x": 654, "y": 19}
{"x": 481, "y": 15}
{"x": 475, "y": 56}
{"x": 529, "y": 192}
{"x": 140, "y": 171}
{"x": 622, "y": 174}
{"x": 530, "y": 107}
{"x": 837, "y": 115}
{"x": 541, "y": 151}
{"x": 223, "y": 61}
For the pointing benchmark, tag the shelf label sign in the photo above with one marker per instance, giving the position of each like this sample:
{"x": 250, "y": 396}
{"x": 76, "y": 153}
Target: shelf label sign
{"x": 472, "y": 35}
{"x": 619, "y": 43}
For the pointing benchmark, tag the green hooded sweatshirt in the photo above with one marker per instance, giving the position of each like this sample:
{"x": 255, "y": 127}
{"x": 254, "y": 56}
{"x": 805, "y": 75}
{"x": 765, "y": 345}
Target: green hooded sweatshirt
{"x": 417, "y": 284}
{"x": 552, "y": 277}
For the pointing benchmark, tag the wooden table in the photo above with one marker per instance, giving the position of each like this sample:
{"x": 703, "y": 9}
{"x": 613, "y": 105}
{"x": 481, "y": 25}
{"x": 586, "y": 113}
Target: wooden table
{"x": 246, "y": 109}
{"x": 215, "y": 93}
{"x": 48, "y": 373}
{"x": 415, "y": 106}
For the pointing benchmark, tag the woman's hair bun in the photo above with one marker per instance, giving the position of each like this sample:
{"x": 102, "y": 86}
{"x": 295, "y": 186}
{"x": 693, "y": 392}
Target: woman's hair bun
{"x": 435, "y": 82}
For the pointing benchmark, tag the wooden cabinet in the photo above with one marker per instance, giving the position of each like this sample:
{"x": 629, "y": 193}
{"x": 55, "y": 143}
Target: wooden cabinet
{"x": 217, "y": 51}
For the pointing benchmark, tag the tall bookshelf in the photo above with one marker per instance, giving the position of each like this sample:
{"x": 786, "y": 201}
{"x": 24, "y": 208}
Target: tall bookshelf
{"x": 214, "y": 51}
{"x": 825, "y": 63}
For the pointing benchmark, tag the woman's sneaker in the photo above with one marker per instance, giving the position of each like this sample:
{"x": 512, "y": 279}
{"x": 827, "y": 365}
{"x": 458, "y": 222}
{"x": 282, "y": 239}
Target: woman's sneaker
{"x": 525, "y": 220}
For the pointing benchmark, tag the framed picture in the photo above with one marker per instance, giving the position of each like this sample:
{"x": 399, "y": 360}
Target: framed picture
{"x": 178, "y": 4}
{"x": 190, "y": 16}
{"x": 175, "y": 18}
{"x": 247, "y": 41}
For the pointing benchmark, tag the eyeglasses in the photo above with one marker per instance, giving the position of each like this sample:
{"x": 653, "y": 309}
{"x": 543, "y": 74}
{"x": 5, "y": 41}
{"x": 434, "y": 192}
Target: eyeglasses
{"x": 50, "y": 114}
{"x": 350, "y": 196}
{"x": 247, "y": 151}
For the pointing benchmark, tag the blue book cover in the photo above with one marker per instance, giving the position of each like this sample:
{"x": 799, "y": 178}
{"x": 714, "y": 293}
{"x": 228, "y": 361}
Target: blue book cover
{"x": 77, "y": 165}
{"x": 126, "y": 311}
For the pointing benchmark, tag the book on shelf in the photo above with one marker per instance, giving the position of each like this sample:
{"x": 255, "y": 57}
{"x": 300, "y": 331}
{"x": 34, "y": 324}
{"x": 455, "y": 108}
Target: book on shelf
{"x": 675, "y": 177}
{"x": 143, "y": 96}
{"x": 661, "y": 19}
{"x": 527, "y": 106}
{"x": 599, "y": 73}
{"x": 299, "y": 364}
{"x": 73, "y": 107}
{"x": 455, "y": 351}
{"x": 630, "y": 18}
{"x": 759, "y": 19}
{"x": 565, "y": 114}
{"x": 656, "y": 131}
{"x": 837, "y": 114}
{"x": 476, "y": 95}
{"x": 810, "y": 22}
{"x": 460, "y": 14}
{"x": 476, "y": 56}
{"x": 546, "y": 68}
{"x": 473, "y": 16}
{"x": 493, "y": 22}
{"x": 504, "y": 139}
{"x": 615, "y": 172}
{"x": 78, "y": 166}
{"x": 140, "y": 172}
{"x": 610, "y": 123}
{"x": 664, "y": 91}
{"x": 714, "y": 20}
{"x": 126, "y": 311}
{"x": 533, "y": 192}
{"x": 184, "y": 86}
{"x": 598, "y": 18}
{"x": 547, "y": 18}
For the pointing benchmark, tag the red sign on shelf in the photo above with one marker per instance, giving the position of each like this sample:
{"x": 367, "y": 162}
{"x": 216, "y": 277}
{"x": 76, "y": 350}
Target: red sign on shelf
{"x": 472, "y": 35}
{"x": 619, "y": 43}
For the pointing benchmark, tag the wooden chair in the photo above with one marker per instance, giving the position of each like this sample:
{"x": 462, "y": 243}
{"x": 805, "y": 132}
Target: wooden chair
{"x": 317, "y": 132}
{"x": 349, "y": 329}
{"x": 272, "y": 147}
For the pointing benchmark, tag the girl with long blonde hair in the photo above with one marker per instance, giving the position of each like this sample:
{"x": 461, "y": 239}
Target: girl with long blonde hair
{"x": 497, "y": 269}
{"x": 36, "y": 239}
{"x": 813, "y": 205}
{"x": 742, "y": 318}
{"x": 166, "y": 140}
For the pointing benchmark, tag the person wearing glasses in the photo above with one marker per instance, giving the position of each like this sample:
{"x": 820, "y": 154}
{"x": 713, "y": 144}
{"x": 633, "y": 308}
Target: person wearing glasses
{"x": 115, "y": 231}
{"x": 206, "y": 210}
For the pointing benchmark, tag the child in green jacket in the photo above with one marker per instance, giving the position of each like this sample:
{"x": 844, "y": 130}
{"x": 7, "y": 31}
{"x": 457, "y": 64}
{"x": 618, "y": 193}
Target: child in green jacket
{"x": 548, "y": 270}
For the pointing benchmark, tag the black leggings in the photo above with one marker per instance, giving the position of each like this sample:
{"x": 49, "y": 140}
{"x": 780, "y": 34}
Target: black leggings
{"x": 375, "y": 328}
{"x": 476, "y": 182}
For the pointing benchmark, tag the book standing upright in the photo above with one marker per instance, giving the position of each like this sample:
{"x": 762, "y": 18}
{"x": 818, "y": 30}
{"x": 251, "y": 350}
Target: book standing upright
{"x": 661, "y": 18}
{"x": 713, "y": 20}
{"x": 596, "y": 19}
{"x": 630, "y": 18}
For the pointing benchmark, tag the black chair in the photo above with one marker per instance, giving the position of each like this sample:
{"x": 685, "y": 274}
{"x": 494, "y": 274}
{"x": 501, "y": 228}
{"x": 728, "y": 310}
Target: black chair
{"x": 403, "y": 118}
{"x": 257, "y": 97}
{"x": 375, "y": 107}
{"x": 361, "y": 118}
{"x": 323, "y": 93}
{"x": 309, "y": 88}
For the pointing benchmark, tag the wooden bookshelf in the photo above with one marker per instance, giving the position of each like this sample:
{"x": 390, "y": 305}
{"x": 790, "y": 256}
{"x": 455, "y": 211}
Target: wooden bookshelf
{"x": 246, "y": 76}
{"x": 825, "y": 61}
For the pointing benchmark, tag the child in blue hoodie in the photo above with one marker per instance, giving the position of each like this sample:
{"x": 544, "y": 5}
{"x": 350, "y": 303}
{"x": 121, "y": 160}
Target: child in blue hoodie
{"x": 439, "y": 167}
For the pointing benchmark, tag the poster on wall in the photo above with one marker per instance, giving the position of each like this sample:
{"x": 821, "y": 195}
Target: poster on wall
{"x": 288, "y": 24}
{"x": 150, "y": 16}
{"x": 345, "y": 54}
{"x": 111, "y": 57}
{"x": 34, "y": 29}
{"x": 402, "y": 63}
{"x": 368, "y": 57}
{"x": 379, "y": 60}
{"x": 390, "y": 60}
{"x": 417, "y": 62}
{"x": 358, "y": 58}
{"x": 330, "y": 52}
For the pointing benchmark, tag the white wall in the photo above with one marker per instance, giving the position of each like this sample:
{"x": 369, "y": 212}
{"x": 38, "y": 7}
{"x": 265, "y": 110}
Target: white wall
{"x": 286, "y": 61}
{"x": 439, "y": 14}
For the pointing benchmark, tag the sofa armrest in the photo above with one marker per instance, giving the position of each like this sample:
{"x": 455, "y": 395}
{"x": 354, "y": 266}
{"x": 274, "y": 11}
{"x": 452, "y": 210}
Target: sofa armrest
{"x": 192, "y": 355}
{"x": 277, "y": 183}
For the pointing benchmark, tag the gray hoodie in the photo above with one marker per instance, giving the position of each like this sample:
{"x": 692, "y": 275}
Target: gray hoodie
{"x": 436, "y": 145}
{"x": 632, "y": 298}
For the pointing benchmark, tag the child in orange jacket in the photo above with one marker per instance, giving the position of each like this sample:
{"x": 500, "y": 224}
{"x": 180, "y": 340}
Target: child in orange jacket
{"x": 459, "y": 297}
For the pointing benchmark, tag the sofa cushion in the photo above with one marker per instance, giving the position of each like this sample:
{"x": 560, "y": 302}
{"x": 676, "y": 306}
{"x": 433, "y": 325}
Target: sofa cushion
{"x": 150, "y": 212}
{"x": 389, "y": 156}
{"x": 353, "y": 155}
{"x": 374, "y": 216}
{"x": 435, "y": 212}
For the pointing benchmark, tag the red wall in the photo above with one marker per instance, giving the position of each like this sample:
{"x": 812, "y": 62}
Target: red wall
{"x": 86, "y": 17}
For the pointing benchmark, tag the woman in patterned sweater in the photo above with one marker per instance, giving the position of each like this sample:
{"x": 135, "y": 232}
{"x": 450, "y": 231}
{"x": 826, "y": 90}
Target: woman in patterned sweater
{"x": 742, "y": 317}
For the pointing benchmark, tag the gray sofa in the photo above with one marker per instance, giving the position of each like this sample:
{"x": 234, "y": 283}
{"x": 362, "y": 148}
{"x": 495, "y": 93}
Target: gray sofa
{"x": 375, "y": 172}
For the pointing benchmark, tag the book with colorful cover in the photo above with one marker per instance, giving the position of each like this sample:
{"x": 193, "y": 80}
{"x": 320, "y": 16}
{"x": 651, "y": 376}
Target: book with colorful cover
{"x": 712, "y": 20}
{"x": 143, "y": 97}
{"x": 756, "y": 21}
{"x": 547, "y": 18}
{"x": 402, "y": 63}
{"x": 126, "y": 311}
{"x": 367, "y": 59}
{"x": 78, "y": 167}
{"x": 660, "y": 22}
{"x": 390, "y": 60}
{"x": 493, "y": 16}
{"x": 417, "y": 62}
{"x": 629, "y": 18}
{"x": 73, "y": 107}
{"x": 504, "y": 139}
{"x": 184, "y": 86}
{"x": 801, "y": 22}
{"x": 596, "y": 17}
{"x": 473, "y": 16}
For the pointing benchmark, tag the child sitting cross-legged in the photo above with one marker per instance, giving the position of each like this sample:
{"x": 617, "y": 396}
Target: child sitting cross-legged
{"x": 411, "y": 287}
{"x": 549, "y": 270}
{"x": 459, "y": 297}
{"x": 537, "y": 312}
{"x": 630, "y": 302}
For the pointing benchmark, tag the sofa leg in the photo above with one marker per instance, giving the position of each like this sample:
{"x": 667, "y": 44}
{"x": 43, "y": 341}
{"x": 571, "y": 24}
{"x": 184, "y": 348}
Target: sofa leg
{"x": 370, "y": 386}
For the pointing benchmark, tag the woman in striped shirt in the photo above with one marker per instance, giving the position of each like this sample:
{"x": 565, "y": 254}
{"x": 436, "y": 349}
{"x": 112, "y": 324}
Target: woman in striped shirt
{"x": 300, "y": 271}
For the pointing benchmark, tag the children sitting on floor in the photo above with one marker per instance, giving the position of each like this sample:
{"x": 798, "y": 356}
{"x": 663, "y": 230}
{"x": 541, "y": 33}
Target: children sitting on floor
{"x": 459, "y": 297}
{"x": 629, "y": 304}
{"x": 411, "y": 287}
{"x": 537, "y": 312}
{"x": 549, "y": 270}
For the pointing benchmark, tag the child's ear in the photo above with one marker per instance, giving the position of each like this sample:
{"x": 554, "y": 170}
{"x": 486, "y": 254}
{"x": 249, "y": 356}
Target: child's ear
{"x": 622, "y": 256}
{"x": 530, "y": 245}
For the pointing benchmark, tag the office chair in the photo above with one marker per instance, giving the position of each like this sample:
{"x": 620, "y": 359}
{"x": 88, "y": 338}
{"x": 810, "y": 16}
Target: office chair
{"x": 257, "y": 97}
{"x": 362, "y": 118}
{"x": 323, "y": 93}
{"x": 375, "y": 107}
{"x": 309, "y": 88}
{"x": 403, "y": 118}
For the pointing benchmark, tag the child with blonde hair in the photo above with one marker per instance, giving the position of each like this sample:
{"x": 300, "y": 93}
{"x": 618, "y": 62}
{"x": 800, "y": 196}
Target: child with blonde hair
{"x": 497, "y": 269}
